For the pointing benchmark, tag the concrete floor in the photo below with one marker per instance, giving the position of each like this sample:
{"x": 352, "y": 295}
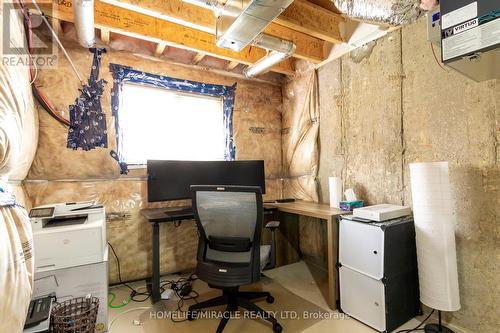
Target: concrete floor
{"x": 297, "y": 278}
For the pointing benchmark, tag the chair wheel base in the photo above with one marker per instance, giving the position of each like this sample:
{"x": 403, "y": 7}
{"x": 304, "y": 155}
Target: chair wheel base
{"x": 277, "y": 328}
{"x": 270, "y": 299}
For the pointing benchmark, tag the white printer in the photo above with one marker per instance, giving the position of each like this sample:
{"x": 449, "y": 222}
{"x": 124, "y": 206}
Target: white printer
{"x": 68, "y": 234}
{"x": 71, "y": 254}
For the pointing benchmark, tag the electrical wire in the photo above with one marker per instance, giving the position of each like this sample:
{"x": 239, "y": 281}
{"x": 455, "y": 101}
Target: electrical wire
{"x": 119, "y": 270}
{"x": 435, "y": 58}
{"x": 417, "y": 328}
{"x": 176, "y": 285}
{"x": 119, "y": 306}
{"x": 39, "y": 96}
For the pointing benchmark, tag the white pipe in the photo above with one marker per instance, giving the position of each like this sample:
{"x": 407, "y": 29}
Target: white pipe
{"x": 280, "y": 50}
{"x": 83, "y": 11}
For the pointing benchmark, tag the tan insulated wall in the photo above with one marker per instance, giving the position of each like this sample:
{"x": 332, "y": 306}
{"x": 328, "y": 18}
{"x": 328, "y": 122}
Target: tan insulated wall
{"x": 300, "y": 124}
{"x": 18, "y": 139}
{"x": 59, "y": 174}
{"x": 397, "y": 107}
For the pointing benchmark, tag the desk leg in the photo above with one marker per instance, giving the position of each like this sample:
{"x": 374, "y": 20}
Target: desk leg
{"x": 155, "y": 283}
{"x": 332, "y": 263}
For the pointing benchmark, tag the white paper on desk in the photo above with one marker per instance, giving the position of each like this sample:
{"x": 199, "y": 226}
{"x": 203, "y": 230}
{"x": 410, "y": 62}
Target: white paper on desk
{"x": 435, "y": 220}
{"x": 335, "y": 188}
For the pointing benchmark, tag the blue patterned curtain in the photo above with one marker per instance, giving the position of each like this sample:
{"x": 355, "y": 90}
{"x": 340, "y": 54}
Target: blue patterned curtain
{"x": 87, "y": 121}
{"x": 122, "y": 74}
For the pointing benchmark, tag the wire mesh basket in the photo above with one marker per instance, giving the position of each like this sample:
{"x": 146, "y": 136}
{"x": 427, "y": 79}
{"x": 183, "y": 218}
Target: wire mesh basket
{"x": 77, "y": 315}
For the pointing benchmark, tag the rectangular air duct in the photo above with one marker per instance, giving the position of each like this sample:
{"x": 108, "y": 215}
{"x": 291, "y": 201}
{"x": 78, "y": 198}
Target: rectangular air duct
{"x": 241, "y": 21}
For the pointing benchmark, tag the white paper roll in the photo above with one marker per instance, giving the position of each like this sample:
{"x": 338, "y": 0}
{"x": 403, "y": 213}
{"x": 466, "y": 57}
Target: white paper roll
{"x": 435, "y": 235}
{"x": 335, "y": 188}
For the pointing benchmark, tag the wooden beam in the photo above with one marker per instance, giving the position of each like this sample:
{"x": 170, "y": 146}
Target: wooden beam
{"x": 177, "y": 11}
{"x": 160, "y": 48}
{"x": 138, "y": 25}
{"x": 313, "y": 20}
{"x": 105, "y": 35}
{"x": 56, "y": 25}
{"x": 231, "y": 65}
{"x": 198, "y": 57}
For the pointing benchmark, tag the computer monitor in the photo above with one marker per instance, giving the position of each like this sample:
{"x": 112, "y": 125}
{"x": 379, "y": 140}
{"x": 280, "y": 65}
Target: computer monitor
{"x": 171, "y": 180}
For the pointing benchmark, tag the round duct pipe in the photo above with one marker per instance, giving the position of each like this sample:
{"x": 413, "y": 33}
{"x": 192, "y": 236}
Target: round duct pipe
{"x": 83, "y": 11}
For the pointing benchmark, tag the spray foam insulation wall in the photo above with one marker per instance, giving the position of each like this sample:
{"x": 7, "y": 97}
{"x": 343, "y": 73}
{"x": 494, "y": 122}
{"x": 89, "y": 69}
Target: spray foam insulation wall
{"x": 59, "y": 174}
{"x": 397, "y": 107}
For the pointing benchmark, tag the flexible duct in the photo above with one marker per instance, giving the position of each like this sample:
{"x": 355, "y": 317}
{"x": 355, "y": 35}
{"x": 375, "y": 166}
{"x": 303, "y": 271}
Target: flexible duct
{"x": 83, "y": 11}
{"x": 392, "y": 12}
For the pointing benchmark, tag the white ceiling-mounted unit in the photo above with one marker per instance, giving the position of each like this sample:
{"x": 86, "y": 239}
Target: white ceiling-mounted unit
{"x": 241, "y": 21}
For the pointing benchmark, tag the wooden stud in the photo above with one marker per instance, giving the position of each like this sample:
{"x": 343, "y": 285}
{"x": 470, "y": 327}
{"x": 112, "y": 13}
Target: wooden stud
{"x": 231, "y": 65}
{"x": 198, "y": 57}
{"x": 56, "y": 25}
{"x": 134, "y": 24}
{"x": 308, "y": 47}
{"x": 105, "y": 35}
{"x": 160, "y": 48}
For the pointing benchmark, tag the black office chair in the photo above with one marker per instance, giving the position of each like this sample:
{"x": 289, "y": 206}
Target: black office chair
{"x": 229, "y": 220}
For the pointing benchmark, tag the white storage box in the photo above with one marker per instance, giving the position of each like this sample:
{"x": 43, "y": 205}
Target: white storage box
{"x": 77, "y": 281}
{"x": 381, "y": 212}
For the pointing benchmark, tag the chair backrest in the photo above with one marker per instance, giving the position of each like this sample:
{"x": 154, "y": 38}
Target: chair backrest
{"x": 229, "y": 219}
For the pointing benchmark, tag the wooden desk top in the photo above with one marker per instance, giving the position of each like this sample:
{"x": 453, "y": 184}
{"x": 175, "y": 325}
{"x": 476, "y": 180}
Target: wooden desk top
{"x": 307, "y": 208}
{"x": 167, "y": 214}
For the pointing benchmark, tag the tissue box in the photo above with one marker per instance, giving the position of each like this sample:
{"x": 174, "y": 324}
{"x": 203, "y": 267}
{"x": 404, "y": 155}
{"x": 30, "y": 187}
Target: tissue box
{"x": 350, "y": 205}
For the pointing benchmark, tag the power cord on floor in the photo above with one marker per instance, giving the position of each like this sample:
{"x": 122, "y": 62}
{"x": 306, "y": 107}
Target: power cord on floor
{"x": 182, "y": 287}
{"x": 417, "y": 328}
{"x": 184, "y": 291}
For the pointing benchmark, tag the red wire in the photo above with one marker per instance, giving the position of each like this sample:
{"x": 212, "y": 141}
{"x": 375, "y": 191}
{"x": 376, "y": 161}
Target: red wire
{"x": 48, "y": 106}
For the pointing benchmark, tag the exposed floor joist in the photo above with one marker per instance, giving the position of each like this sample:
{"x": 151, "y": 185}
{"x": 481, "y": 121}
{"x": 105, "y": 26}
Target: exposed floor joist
{"x": 177, "y": 11}
{"x": 139, "y": 25}
{"x": 312, "y": 19}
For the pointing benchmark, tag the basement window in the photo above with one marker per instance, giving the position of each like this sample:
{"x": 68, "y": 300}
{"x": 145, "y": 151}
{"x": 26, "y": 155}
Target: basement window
{"x": 166, "y": 124}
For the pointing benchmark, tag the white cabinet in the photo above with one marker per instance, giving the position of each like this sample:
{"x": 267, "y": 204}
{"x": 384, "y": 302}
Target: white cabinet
{"x": 362, "y": 249}
{"x": 363, "y": 297}
{"x": 378, "y": 272}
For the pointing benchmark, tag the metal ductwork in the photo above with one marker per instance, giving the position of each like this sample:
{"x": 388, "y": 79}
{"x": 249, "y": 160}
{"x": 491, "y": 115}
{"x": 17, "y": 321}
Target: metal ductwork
{"x": 83, "y": 11}
{"x": 279, "y": 50}
{"x": 240, "y": 23}
{"x": 391, "y": 12}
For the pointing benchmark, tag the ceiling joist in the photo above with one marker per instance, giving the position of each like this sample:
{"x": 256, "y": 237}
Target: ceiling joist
{"x": 309, "y": 48}
{"x": 138, "y": 25}
{"x": 313, "y": 20}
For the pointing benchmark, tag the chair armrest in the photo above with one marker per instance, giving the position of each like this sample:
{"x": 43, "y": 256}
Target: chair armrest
{"x": 272, "y": 224}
